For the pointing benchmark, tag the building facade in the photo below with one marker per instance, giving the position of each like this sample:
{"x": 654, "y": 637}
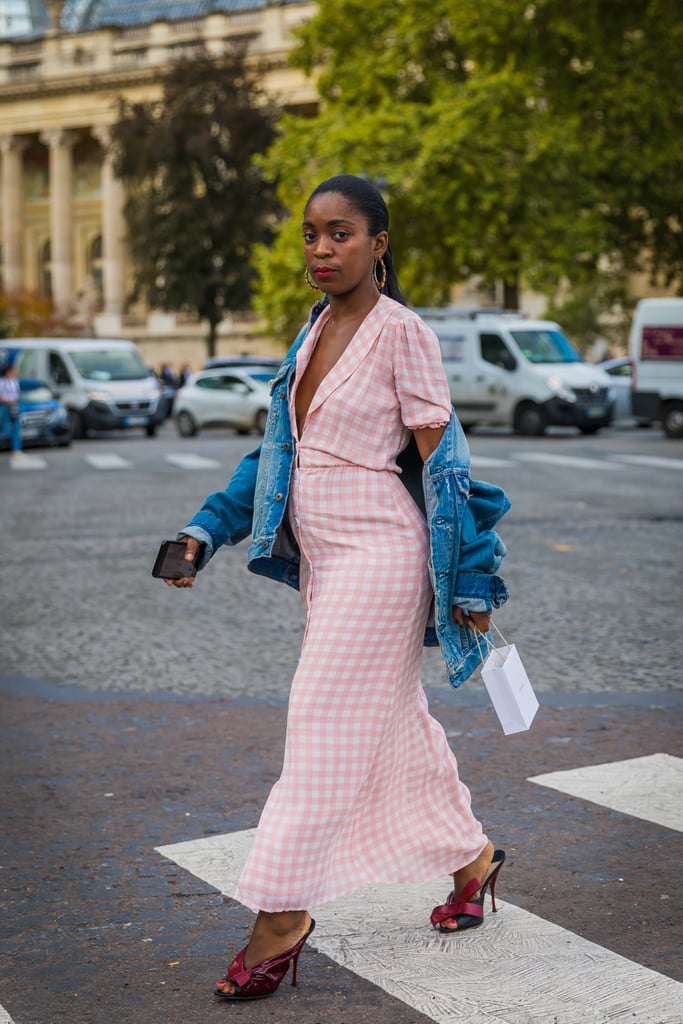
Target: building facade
{"x": 63, "y": 70}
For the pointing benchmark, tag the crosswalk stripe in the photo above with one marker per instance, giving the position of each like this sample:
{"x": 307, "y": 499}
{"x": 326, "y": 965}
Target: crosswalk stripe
{"x": 650, "y": 460}
{"x": 488, "y": 463}
{"x": 566, "y": 460}
{"x": 28, "y": 462}
{"x": 382, "y": 934}
{"x": 107, "y": 460}
{"x": 187, "y": 460}
{"x": 649, "y": 787}
{"x": 5, "y": 1017}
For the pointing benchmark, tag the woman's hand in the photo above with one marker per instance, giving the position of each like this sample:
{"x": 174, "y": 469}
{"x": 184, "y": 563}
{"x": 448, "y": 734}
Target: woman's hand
{"x": 191, "y": 546}
{"x": 478, "y": 621}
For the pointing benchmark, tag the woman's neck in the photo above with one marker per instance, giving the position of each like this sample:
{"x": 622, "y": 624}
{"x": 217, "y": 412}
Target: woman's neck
{"x": 353, "y": 306}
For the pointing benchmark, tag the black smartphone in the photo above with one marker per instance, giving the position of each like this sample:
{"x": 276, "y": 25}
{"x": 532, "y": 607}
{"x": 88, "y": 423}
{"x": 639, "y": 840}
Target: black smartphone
{"x": 171, "y": 564}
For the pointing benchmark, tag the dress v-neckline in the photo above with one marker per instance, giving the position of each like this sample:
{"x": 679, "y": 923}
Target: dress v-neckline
{"x": 357, "y": 347}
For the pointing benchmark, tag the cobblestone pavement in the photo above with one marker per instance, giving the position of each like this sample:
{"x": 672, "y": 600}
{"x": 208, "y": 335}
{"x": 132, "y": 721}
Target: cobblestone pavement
{"x": 594, "y": 569}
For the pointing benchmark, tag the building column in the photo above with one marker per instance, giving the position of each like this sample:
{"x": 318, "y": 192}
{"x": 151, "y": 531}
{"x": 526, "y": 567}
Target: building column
{"x": 12, "y": 147}
{"x": 61, "y": 215}
{"x": 113, "y": 230}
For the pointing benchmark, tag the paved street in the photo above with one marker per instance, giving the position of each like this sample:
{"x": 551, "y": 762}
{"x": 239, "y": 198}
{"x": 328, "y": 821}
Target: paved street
{"x": 137, "y": 719}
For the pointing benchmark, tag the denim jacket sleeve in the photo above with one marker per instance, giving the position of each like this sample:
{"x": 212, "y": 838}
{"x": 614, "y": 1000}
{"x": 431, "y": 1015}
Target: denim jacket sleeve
{"x": 226, "y": 516}
{"x": 481, "y": 551}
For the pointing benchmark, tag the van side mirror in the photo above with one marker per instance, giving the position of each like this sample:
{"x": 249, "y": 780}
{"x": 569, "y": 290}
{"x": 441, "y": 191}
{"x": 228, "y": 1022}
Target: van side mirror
{"x": 507, "y": 361}
{"x": 60, "y": 376}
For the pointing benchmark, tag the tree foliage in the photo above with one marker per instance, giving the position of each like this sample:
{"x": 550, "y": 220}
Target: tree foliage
{"x": 26, "y": 314}
{"x": 198, "y": 198}
{"x": 517, "y": 140}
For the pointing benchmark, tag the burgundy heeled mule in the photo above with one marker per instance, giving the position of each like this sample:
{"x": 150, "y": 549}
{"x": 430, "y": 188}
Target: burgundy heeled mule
{"x": 467, "y": 910}
{"x": 261, "y": 980}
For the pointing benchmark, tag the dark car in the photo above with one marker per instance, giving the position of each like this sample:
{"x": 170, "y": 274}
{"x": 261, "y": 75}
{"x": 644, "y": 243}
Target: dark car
{"x": 44, "y": 420}
{"x": 260, "y": 369}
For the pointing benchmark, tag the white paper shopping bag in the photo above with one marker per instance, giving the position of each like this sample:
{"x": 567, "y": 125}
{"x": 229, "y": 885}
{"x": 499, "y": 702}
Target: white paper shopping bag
{"x": 508, "y": 686}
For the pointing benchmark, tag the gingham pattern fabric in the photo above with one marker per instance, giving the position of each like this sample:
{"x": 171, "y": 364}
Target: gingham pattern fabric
{"x": 369, "y": 790}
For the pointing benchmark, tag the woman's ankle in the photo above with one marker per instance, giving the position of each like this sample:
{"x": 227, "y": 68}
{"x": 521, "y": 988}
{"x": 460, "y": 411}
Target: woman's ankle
{"x": 475, "y": 869}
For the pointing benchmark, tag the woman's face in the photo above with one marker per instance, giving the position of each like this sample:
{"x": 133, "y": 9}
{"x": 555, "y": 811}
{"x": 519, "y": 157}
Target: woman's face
{"x": 340, "y": 253}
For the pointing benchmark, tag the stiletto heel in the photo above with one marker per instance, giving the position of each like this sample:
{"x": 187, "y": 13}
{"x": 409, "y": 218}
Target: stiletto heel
{"x": 261, "y": 980}
{"x": 466, "y": 909}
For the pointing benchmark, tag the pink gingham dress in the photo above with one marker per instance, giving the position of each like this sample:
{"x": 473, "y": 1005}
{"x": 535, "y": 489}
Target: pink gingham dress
{"x": 369, "y": 790}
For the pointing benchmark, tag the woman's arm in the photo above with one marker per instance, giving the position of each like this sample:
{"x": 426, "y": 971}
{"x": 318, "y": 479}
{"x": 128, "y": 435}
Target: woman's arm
{"x": 428, "y": 440}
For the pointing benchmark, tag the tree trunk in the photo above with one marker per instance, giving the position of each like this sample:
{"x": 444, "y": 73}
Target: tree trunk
{"x": 511, "y": 294}
{"x": 211, "y": 339}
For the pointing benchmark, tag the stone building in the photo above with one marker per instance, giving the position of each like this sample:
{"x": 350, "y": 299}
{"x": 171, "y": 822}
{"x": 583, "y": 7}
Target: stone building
{"x": 63, "y": 68}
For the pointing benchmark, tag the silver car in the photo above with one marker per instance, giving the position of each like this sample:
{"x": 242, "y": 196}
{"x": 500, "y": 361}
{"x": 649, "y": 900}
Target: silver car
{"x": 221, "y": 398}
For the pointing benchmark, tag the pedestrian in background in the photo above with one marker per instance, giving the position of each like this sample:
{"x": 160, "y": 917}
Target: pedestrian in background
{"x": 370, "y": 790}
{"x": 185, "y": 373}
{"x": 10, "y": 420}
{"x": 167, "y": 375}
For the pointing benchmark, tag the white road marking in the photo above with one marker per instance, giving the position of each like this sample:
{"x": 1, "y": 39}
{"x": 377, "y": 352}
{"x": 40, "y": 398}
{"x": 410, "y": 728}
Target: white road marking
{"x": 107, "y": 460}
{"x": 650, "y": 787}
{"x": 650, "y": 460}
{"x": 485, "y": 461}
{"x": 5, "y": 1017}
{"x": 28, "y": 462}
{"x": 517, "y": 969}
{"x": 567, "y": 460}
{"x": 190, "y": 461}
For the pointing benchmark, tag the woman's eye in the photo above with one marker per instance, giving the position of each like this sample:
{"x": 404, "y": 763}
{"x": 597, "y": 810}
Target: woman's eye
{"x": 340, "y": 236}
{"x": 308, "y": 236}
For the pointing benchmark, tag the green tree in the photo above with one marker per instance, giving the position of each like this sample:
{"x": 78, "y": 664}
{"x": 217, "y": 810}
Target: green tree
{"x": 517, "y": 140}
{"x": 198, "y": 198}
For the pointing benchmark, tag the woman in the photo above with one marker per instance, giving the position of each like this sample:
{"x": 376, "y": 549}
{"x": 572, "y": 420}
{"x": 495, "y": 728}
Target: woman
{"x": 10, "y": 421}
{"x": 369, "y": 790}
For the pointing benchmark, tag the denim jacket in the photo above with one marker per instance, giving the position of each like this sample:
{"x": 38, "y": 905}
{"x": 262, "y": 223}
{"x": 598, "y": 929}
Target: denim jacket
{"x": 465, "y": 550}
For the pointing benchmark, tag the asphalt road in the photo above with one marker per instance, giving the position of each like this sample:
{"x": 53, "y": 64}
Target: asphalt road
{"x": 134, "y": 717}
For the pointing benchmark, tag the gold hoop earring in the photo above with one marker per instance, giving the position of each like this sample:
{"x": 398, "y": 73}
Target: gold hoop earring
{"x": 380, "y": 280}
{"x": 307, "y": 279}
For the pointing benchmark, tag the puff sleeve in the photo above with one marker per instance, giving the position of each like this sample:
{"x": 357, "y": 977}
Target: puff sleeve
{"x": 419, "y": 376}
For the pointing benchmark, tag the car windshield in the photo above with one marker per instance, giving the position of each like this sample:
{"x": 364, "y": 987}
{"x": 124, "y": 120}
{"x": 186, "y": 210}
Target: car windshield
{"x": 546, "y": 346}
{"x": 109, "y": 364}
{"x": 263, "y": 374}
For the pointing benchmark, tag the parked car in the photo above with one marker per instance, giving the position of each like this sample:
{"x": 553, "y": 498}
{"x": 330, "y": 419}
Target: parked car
{"x": 259, "y": 369}
{"x": 656, "y": 351}
{"x": 103, "y": 383}
{"x": 621, "y": 372}
{"x": 221, "y": 398}
{"x": 505, "y": 370}
{"x": 44, "y": 420}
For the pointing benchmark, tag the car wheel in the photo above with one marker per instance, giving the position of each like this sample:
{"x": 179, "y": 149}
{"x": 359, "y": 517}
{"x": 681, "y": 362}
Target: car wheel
{"x": 150, "y": 429}
{"x": 589, "y": 429}
{"x": 260, "y": 421}
{"x": 185, "y": 424}
{"x": 672, "y": 419}
{"x": 76, "y": 424}
{"x": 529, "y": 420}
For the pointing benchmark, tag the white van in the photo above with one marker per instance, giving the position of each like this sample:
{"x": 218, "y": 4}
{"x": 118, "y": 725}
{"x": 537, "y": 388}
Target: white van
{"x": 506, "y": 370}
{"x": 104, "y": 384}
{"x": 656, "y": 351}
